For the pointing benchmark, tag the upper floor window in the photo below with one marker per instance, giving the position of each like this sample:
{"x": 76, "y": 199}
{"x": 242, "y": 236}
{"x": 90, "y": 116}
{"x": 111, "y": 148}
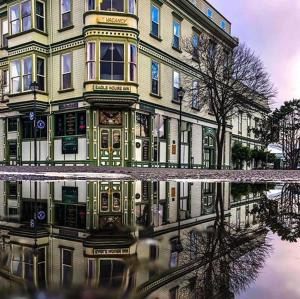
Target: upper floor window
{"x": 4, "y": 82}
{"x": 111, "y": 61}
{"x": 15, "y": 70}
{"x": 240, "y": 122}
{"x": 66, "y": 13}
{"x": 176, "y": 85}
{"x": 132, "y": 6}
{"x": 26, "y": 15}
{"x": 195, "y": 95}
{"x": 40, "y": 73}
{"x": 155, "y": 20}
{"x": 133, "y": 63}
{"x": 176, "y": 34}
{"x": 66, "y": 71}
{"x": 14, "y": 14}
{"x": 223, "y": 24}
{"x": 112, "y": 5}
{"x": 40, "y": 15}
{"x": 196, "y": 41}
{"x": 91, "y": 60}
{"x": 248, "y": 125}
{"x": 4, "y": 33}
{"x": 91, "y": 5}
{"x": 27, "y": 73}
{"x": 212, "y": 48}
{"x": 209, "y": 13}
{"x": 155, "y": 77}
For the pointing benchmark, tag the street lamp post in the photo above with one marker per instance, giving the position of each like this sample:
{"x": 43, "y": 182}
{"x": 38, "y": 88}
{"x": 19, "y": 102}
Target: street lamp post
{"x": 180, "y": 95}
{"x": 34, "y": 87}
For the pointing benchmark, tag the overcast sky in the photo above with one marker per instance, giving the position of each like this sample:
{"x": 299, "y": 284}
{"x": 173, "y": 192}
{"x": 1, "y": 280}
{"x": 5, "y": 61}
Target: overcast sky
{"x": 272, "y": 29}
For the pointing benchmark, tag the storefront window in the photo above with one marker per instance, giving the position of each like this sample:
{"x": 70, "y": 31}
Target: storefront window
{"x": 12, "y": 124}
{"x": 71, "y": 123}
{"x": 142, "y": 127}
{"x": 28, "y": 129}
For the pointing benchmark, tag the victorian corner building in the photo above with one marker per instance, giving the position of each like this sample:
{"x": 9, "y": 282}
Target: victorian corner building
{"x": 107, "y": 76}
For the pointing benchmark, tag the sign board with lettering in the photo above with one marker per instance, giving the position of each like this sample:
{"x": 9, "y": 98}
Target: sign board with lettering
{"x": 111, "y": 251}
{"x": 112, "y": 20}
{"x": 70, "y": 145}
{"x": 69, "y": 194}
{"x": 112, "y": 87}
{"x": 66, "y": 106}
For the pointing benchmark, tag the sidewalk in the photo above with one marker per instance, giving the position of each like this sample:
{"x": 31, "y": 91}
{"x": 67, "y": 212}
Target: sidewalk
{"x": 160, "y": 174}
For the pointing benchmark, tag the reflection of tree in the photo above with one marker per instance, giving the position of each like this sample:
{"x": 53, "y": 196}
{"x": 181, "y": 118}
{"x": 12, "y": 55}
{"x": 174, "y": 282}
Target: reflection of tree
{"x": 231, "y": 258}
{"x": 281, "y": 213}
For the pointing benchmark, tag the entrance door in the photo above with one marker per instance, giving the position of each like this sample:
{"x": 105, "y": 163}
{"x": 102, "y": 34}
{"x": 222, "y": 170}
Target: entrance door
{"x": 110, "y": 147}
{"x": 209, "y": 158}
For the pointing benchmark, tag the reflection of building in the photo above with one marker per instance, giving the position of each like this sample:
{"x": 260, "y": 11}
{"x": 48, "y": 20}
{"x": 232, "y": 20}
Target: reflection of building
{"x": 104, "y": 70}
{"x": 94, "y": 233}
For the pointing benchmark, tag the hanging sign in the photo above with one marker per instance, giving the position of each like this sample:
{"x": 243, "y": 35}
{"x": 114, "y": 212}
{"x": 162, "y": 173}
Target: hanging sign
{"x": 40, "y": 124}
{"x": 41, "y": 215}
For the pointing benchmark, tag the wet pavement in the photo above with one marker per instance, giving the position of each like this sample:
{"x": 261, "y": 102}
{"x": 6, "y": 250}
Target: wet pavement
{"x": 87, "y": 172}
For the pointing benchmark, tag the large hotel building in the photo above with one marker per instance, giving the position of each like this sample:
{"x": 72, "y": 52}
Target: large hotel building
{"x": 107, "y": 74}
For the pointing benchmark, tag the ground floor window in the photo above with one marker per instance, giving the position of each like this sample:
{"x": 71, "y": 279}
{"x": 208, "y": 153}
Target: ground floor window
{"x": 66, "y": 267}
{"x": 70, "y": 123}
{"x": 28, "y": 128}
{"x": 12, "y": 149}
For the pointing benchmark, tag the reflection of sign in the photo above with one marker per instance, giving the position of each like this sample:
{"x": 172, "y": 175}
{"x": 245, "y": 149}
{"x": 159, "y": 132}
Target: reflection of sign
{"x": 70, "y": 145}
{"x": 145, "y": 150}
{"x": 69, "y": 194}
{"x": 112, "y": 20}
{"x": 110, "y": 118}
{"x": 173, "y": 149}
{"x": 111, "y": 251}
{"x": 68, "y": 106}
{"x": 32, "y": 223}
{"x": 41, "y": 215}
{"x": 112, "y": 87}
{"x": 40, "y": 124}
{"x": 31, "y": 115}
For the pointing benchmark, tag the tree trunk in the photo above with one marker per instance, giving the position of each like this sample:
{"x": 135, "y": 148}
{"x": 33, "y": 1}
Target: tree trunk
{"x": 220, "y": 143}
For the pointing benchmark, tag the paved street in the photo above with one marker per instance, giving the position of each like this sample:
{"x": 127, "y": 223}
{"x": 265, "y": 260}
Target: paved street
{"x": 86, "y": 172}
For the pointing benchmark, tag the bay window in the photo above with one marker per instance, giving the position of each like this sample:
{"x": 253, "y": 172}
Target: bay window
{"x": 155, "y": 77}
{"x": 40, "y": 15}
{"x": 91, "y": 60}
{"x": 26, "y": 15}
{"x": 112, "y": 61}
{"x": 40, "y": 73}
{"x": 15, "y": 70}
{"x": 66, "y": 16}
{"x": 133, "y": 63}
{"x": 4, "y": 33}
{"x": 132, "y": 6}
{"x": 21, "y": 72}
{"x": 27, "y": 73}
{"x": 14, "y": 13}
{"x": 112, "y": 5}
{"x": 91, "y": 5}
{"x": 66, "y": 71}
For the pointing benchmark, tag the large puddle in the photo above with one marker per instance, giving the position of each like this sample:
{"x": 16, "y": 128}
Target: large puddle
{"x": 122, "y": 239}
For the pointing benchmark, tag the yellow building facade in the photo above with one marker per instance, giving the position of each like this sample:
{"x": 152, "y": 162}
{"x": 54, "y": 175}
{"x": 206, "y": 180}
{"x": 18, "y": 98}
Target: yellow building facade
{"x": 107, "y": 76}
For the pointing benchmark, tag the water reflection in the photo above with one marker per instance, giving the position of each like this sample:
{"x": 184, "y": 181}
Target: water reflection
{"x": 95, "y": 239}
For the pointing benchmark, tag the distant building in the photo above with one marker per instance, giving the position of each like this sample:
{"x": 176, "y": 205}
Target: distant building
{"x": 107, "y": 78}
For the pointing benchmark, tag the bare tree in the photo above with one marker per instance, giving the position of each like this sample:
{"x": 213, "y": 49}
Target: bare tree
{"x": 231, "y": 257}
{"x": 288, "y": 120}
{"x": 228, "y": 81}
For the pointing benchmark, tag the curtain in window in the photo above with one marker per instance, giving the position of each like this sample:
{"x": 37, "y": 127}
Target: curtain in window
{"x": 66, "y": 71}
{"x": 27, "y": 73}
{"x": 91, "y": 60}
{"x": 40, "y": 64}
{"x": 15, "y": 19}
{"x": 26, "y": 15}
{"x": 65, "y": 5}
{"x": 132, "y": 6}
{"x": 15, "y": 76}
{"x": 133, "y": 62}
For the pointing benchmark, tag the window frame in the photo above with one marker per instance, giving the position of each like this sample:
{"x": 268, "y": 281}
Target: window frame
{"x": 125, "y": 55}
{"x": 26, "y": 16}
{"x": 176, "y": 21}
{"x": 197, "y": 101}
{"x": 175, "y": 99}
{"x": 210, "y": 13}
{"x": 19, "y": 76}
{"x": 153, "y": 61}
{"x": 66, "y": 12}
{"x": 90, "y": 61}
{"x": 71, "y": 266}
{"x": 62, "y": 73}
{"x": 132, "y": 62}
{"x": 23, "y": 75}
{"x": 40, "y": 75}
{"x": 18, "y": 20}
{"x": 40, "y": 16}
{"x": 4, "y": 41}
{"x": 111, "y": 6}
{"x": 153, "y": 5}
